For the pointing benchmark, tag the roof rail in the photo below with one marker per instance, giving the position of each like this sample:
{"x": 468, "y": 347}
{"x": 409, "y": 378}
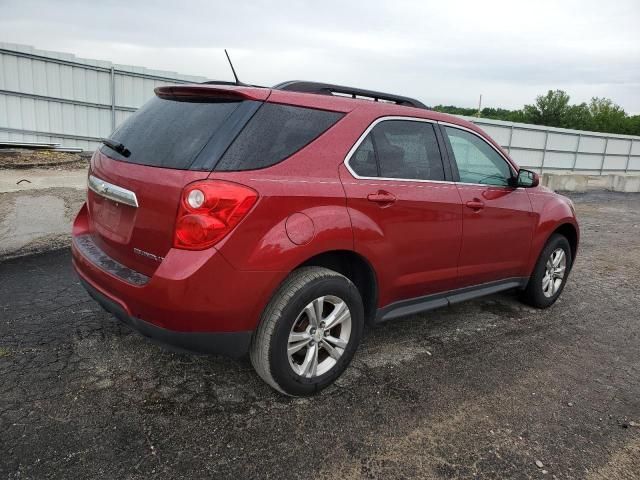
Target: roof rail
{"x": 329, "y": 89}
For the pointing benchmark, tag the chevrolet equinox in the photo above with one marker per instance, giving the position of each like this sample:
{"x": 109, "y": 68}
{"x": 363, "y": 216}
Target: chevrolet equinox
{"x": 277, "y": 222}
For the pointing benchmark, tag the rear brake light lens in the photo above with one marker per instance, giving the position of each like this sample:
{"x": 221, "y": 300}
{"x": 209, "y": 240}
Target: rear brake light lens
{"x": 209, "y": 210}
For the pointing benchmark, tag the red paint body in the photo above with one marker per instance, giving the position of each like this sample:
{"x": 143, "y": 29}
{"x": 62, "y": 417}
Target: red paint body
{"x": 427, "y": 241}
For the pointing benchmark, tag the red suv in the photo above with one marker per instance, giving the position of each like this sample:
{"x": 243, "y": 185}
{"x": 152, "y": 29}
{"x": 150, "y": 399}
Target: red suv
{"x": 278, "y": 221}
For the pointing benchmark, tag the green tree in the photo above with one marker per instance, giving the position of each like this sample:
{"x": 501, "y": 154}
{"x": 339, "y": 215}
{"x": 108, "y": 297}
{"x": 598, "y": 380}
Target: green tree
{"x": 554, "y": 110}
{"x": 632, "y": 125}
{"x": 550, "y": 109}
{"x": 606, "y": 116}
{"x": 578, "y": 117}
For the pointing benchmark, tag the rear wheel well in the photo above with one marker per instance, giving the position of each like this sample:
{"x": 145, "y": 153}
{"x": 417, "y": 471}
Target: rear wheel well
{"x": 357, "y": 269}
{"x": 569, "y": 232}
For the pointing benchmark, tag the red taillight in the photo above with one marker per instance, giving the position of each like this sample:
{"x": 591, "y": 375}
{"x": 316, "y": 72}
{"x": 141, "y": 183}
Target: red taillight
{"x": 209, "y": 210}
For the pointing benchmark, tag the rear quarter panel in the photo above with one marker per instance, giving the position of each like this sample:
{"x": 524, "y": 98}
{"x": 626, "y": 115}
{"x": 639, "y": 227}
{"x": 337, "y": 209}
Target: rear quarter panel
{"x": 305, "y": 183}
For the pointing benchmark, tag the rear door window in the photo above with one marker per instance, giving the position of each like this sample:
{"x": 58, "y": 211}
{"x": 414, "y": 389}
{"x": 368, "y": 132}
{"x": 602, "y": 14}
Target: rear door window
{"x": 404, "y": 149}
{"x": 170, "y": 133}
{"x": 274, "y": 133}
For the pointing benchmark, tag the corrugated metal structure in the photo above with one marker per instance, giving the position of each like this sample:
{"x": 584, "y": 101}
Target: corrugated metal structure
{"x": 56, "y": 97}
{"x": 553, "y": 149}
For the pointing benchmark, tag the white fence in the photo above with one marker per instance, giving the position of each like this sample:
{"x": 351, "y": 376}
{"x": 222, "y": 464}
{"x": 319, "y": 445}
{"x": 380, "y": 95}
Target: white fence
{"x": 56, "y": 97}
{"x": 552, "y": 149}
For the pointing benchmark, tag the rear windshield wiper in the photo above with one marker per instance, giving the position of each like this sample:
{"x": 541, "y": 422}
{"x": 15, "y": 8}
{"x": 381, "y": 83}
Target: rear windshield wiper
{"x": 116, "y": 146}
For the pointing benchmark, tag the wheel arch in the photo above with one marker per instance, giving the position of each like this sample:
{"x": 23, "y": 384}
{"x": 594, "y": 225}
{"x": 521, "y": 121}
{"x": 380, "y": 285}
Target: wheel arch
{"x": 570, "y": 232}
{"x": 357, "y": 269}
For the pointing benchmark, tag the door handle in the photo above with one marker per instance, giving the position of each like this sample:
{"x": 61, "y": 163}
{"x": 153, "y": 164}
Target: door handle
{"x": 382, "y": 197}
{"x": 475, "y": 204}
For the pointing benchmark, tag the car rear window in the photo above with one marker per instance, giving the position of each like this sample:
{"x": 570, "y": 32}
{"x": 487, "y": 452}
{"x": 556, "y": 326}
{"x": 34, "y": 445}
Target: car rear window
{"x": 171, "y": 133}
{"x": 274, "y": 133}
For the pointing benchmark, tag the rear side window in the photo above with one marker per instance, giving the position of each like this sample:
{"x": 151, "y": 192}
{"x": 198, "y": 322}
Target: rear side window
{"x": 363, "y": 161}
{"x": 403, "y": 149}
{"x": 274, "y": 133}
{"x": 169, "y": 133}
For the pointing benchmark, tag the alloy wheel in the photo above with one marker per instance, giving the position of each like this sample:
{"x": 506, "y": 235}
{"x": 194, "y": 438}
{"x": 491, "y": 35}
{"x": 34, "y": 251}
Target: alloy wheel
{"x": 555, "y": 270}
{"x": 319, "y": 336}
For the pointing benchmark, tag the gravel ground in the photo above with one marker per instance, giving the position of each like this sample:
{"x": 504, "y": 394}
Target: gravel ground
{"x": 486, "y": 389}
{"x": 36, "y": 158}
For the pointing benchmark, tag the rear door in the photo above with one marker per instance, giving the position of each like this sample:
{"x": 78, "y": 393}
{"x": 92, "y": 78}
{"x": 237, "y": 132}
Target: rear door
{"x": 172, "y": 141}
{"x": 406, "y": 217}
{"x": 498, "y": 221}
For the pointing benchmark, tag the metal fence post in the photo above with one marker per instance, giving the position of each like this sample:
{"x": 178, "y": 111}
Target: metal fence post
{"x": 604, "y": 155}
{"x": 510, "y": 138}
{"x": 544, "y": 150}
{"x": 575, "y": 157}
{"x": 113, "y": 99}
{"x": 626, "y": 167}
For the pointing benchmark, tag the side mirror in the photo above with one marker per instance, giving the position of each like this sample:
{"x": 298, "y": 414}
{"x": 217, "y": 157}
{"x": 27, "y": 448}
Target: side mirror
{"x": 527, "y": 179}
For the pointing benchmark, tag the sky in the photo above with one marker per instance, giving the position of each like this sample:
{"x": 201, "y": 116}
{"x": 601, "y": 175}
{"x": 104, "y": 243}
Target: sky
{"x": 441, "y": 52}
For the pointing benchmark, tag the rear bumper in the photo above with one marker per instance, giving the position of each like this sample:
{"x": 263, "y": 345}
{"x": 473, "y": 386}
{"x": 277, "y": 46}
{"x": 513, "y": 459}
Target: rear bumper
{"x": 194, "y": 300}
{"x": 231, "y": 344}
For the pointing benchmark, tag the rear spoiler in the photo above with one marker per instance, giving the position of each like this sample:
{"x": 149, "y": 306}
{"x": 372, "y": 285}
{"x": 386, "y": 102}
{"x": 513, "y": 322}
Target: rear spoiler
{"x": 212, "y": 92}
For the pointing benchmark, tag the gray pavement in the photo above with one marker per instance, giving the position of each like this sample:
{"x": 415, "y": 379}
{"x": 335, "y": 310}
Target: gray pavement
{"x": 480, "y": 390}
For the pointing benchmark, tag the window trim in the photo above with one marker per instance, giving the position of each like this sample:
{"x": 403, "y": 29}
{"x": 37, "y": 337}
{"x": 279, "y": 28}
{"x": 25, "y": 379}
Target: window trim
{"x": 396, "y": 117}
{"x": 452, "y": 159}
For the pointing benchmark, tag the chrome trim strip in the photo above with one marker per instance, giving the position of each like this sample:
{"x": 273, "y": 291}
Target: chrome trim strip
{"x": 425, "y": 120}
{"x": 112, "y": 192}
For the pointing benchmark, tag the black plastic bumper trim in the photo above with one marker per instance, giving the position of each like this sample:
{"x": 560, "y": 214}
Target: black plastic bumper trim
{"x": 230, "y": 344}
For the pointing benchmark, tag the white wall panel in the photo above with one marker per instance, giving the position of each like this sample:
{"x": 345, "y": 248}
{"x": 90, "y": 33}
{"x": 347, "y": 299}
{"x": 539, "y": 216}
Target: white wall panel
{"x": 618, "y": 146}
{"x": 614, "y": 163}
{"x": 528, "y": 158}
{"x": 561, "y": 141}
{"x": 593, "y": 144}
{"x": 588, "y": 162}
{"x": 528, "y": 138}
{"x": 559, "y": 160}
{"x": 499, "y": 134}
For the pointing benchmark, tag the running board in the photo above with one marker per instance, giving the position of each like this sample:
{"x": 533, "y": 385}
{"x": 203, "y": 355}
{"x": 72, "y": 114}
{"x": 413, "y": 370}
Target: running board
{"x": 444, "y": 299}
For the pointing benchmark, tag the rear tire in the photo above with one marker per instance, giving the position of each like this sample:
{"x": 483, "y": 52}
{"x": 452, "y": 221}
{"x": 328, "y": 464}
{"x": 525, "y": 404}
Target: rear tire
{"x": 550, "y": 273}
{"x": 308, "y": 332}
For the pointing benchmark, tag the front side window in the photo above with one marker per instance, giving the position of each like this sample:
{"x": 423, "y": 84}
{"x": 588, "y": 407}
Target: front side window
{"x": 401, "y": 149}
{"x": 477, "y": 161}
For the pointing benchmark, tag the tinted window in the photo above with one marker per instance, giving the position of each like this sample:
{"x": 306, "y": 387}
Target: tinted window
{"x": 404, "y": 149}
{"x": 169, "y": 133}
{"x": 274, "y": 133}
{"x": 477, "y": 161}
{"x": 363, "y": 162}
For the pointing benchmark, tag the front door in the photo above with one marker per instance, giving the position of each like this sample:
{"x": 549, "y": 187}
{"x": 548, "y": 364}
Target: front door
{"x": 406, "y": 218}
{"x": 498, "y": 221}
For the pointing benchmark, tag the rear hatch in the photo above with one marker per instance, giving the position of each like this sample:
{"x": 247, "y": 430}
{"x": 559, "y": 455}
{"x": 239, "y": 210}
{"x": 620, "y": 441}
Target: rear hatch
{"x": 173, "y": 140}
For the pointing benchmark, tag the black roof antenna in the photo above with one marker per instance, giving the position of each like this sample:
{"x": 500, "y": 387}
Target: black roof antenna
{"x": 238, "y": 82}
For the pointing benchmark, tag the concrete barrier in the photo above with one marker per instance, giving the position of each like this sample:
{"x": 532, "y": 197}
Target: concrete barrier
{"x": 565, "y": 183}
{"x": 624, "y": 183}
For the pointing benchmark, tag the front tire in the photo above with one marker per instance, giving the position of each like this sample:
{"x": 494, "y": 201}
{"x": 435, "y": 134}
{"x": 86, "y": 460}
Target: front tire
{"x": 308, "y": 332}
{"x": 550, "y": 273}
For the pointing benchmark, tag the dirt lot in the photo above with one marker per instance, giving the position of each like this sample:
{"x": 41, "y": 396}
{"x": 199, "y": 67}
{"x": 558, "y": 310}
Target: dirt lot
{"x": 481, "y": 390}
